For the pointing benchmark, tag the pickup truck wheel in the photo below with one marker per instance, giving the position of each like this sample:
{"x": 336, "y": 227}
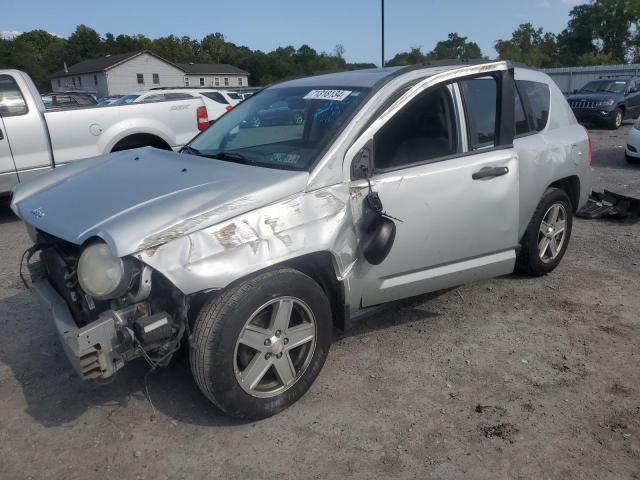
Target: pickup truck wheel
{"x": 258, "y": 347}
{"x": 547, "y": 236}
{"x": 616, "y": 120}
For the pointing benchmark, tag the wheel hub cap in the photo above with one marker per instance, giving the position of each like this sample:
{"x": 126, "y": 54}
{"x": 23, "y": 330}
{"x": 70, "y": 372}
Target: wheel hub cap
{"x": 552, "y": 232}
{"x": 275, "y": 347}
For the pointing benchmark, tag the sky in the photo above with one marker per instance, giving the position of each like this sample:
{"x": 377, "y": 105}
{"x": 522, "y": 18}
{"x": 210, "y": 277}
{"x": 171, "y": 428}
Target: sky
{"x": 268, "y": 24}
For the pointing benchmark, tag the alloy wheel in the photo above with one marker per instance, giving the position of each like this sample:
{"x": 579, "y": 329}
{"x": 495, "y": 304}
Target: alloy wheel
{"x": 552, "y": 232}
{"x": 275, "y": 347}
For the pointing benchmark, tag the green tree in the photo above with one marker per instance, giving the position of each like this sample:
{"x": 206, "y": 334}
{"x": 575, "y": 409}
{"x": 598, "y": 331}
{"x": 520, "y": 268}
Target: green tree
{"x": 82, "y": 44}
{"x": 412, "y": 57}
{"x": 214, "y": 46}
{"x": 529, "y": 45}
{"x": 456, "y": 47}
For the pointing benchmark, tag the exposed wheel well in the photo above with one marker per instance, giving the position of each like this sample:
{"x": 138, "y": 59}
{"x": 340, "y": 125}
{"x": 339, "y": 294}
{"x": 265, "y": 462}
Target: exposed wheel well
{"x": 138, "y": 140}
{"x": 317, "y": 265}
{"x": 571, "y": 186}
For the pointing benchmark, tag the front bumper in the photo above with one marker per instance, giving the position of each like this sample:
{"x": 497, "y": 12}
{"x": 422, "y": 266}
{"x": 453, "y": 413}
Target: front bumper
{"x": 633, "y": 143}
{"x": 593, "y": 115}
{"x": 90, "y": 349}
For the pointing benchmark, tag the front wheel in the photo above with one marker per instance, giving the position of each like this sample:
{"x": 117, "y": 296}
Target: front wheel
{"x": 547, "y": 236}
{"x": 616, "y": 120}
{"x": 259, "y": 346}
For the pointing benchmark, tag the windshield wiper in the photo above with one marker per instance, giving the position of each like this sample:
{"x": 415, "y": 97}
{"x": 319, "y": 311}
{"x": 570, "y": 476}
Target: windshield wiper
{"x": 191, "y": 150}
{"x": 231, "y": 157}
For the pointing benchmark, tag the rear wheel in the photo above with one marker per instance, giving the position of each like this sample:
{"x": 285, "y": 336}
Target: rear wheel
{"x": 547, "y": 236}
{"x": 258, "y": 347}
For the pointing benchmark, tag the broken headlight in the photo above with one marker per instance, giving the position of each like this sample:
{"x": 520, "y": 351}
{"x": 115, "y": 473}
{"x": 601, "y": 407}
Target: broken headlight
{"x": 101, "y": 275}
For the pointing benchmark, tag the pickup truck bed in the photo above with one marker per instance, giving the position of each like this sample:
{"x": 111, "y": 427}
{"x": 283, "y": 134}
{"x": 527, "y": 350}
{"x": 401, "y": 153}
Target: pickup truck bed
{"x": 33, "y": 139}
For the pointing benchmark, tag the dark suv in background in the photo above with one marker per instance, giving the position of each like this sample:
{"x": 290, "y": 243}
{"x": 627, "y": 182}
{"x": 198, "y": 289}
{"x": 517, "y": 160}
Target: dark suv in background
{"x": 607, "y": 101}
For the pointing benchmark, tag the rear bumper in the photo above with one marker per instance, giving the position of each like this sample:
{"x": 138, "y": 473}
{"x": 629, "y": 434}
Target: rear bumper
{"x": 91, "y": 350}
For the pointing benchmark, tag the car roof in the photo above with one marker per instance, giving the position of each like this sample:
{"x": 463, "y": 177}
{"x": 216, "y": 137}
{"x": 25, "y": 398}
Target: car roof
{"x": 370, "y": 77}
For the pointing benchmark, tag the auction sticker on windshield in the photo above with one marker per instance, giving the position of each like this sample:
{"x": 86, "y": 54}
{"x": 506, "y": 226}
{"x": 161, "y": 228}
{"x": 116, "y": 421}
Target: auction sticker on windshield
{"x": 337, "y": 95}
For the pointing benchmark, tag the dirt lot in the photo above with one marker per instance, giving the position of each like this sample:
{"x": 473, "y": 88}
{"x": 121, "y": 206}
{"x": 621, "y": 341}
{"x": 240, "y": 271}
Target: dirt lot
{"x": 509, "y": 378}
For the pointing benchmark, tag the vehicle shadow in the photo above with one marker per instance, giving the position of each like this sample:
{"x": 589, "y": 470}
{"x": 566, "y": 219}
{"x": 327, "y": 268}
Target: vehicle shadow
{"x": 6, "y": 214}
{"x": 55, "y": 396}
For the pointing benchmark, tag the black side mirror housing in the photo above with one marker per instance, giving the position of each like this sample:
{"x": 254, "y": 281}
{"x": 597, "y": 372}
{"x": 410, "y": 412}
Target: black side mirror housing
{"x": 378, "y": 240}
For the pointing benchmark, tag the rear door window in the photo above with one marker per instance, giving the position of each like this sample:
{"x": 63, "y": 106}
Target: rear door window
{"x": 480, "y": 103}
{"x": 522, "y": 125}
{"x": 12, "y": 102}
{"x": 216, "y": 97}
{"x": 536, "y": 98}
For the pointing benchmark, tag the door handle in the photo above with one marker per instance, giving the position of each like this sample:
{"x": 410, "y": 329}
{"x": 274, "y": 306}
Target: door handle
{"x": 487, "y": 172}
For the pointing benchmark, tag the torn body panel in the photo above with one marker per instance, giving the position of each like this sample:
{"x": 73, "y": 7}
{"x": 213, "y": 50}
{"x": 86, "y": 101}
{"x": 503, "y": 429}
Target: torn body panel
{"x": 214, "y": 257}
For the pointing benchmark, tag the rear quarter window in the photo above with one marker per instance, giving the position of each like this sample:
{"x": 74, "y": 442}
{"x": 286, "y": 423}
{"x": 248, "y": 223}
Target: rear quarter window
{"x": 536, "y": 98}
{"x": 216, "y": 97}
{"x": 12, "y": 102}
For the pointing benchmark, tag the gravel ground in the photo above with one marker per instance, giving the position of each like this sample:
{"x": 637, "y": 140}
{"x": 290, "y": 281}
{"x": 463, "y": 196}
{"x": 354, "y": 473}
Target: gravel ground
{"x": 508, "y": 378}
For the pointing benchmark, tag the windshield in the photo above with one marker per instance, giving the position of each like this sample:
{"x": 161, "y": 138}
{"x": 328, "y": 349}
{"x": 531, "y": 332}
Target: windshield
{"x": 125, "y": 99}
{"x": 611, "y": 86}
{"x": 280, "y": 128}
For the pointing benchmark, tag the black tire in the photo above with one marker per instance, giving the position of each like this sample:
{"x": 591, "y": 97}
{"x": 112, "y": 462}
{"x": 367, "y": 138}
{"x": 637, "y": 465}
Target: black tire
{"x": 219, "y": 324}
{"x": 616, "y": 119}
{"x": 632, "y": 160}
{"x": 529, "y": 261}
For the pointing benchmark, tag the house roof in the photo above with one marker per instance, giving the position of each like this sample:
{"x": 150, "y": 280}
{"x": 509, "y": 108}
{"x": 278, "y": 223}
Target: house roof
{"x": 211, "y": 69}
{"x": 99, "y": 64}
{"x": 106, "y": 62}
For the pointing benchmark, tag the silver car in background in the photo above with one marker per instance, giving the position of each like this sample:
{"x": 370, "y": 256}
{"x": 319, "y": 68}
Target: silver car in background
{"x": 255, "y": 241}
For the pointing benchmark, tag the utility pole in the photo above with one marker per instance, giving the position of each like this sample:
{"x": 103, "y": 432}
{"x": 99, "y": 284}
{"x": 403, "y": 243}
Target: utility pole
{"x": 382, "y": 16}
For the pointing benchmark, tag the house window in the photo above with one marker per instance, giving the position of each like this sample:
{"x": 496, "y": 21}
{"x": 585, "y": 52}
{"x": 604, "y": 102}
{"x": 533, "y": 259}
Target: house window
{"x": 226, "y": 81}
{"x": 186, "y": 81}
{"x": 79, "y": 81}
{"x": 73, "y": 80}
{"x": 240, "y": 81}
{"x": 217, "y": 81}
{"x": 140, "y": 78}
{"x": 95, "y": 80}
{"x": 156, "y": 79}
{"x": 202, "y": 81}
{"x": 58, "y": 83}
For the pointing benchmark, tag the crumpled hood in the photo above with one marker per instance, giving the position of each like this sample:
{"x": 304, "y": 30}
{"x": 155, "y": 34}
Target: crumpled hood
{"x": 139, "y": 199}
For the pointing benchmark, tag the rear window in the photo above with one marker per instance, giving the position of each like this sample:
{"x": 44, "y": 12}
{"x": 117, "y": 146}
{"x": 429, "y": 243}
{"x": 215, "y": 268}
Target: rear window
{"x": 215, "y": 96}
{"x": 234, "y": 96}
{"x": 11, "y": 100}
{"x": 480, "y": 104}
{"x": 536, "y": 98}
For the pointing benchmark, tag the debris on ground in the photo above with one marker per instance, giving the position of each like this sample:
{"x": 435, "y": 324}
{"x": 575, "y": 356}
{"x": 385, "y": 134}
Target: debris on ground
{"x": 505, "y": 431}
{"x": 611, "y": 205}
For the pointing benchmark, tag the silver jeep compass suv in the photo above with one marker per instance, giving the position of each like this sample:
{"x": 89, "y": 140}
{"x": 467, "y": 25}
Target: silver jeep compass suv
{"x": 258, "y": 238}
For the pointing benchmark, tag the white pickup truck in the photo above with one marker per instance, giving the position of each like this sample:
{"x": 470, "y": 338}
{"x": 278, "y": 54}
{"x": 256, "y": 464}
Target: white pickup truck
{"x": 33, "y": 139}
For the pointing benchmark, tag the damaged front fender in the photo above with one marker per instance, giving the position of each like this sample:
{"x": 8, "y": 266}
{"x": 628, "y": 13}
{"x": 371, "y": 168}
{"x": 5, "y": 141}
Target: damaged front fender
{"x": 212, "y": 258}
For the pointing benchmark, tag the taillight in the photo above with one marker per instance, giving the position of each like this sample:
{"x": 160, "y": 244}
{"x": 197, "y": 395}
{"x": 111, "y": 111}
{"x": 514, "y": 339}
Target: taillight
{"x": 228, "y": 108}
{"x": 202, "y": 117}
{"x": 590, "y": 153}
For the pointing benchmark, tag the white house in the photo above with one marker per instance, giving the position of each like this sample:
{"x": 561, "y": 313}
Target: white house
{"x": 129, "y": 72}
{"x": 213, "y": 75}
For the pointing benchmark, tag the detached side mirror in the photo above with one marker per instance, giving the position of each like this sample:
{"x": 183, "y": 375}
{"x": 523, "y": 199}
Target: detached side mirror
{"x": 378, "y": 240}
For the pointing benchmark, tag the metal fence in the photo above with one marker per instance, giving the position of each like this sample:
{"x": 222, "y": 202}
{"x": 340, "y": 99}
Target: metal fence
{"x": 573, "y": 78}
